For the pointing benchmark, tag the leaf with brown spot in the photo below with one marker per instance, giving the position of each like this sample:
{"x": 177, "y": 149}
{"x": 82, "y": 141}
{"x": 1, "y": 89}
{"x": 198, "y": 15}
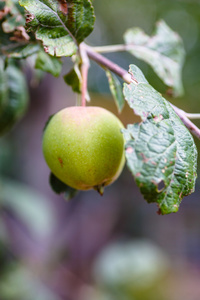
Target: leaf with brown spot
{"x": 60, "y": 25}
{"x": 63, "y": 6}
{"x": 162, "y": 152}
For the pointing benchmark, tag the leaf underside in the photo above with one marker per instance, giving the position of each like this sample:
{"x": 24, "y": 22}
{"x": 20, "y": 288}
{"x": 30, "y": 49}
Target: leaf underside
{"x": 73, "y": 79}
{"x": 60, "y": 27}
{"x": 13, "y": 96}
{"x": 160, "y": 151}
{"x": 48, "y": 63}
{"x": 60, "y": 187}
{"x": 163, "y": 51}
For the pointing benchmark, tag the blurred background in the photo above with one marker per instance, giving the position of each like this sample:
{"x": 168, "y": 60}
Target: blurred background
{"x": 92, "y": 247}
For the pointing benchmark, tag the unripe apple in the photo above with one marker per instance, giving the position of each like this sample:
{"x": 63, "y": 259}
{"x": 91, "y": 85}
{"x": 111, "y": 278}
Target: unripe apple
{"x": 84, "y": 147}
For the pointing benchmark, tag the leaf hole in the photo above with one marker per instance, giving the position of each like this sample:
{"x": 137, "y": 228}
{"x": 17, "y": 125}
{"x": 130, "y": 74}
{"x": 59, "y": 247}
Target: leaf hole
{"x": 161, "y": 186}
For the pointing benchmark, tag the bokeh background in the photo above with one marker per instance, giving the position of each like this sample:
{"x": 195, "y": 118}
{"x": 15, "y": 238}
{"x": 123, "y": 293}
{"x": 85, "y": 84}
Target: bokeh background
{"x": 92, "y": 247}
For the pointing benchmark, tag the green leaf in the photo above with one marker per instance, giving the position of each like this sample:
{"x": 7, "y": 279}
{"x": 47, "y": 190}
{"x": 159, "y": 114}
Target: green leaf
{"x": 14, "y": 40}
{"x": 160, "y": 151}
{"x": 2, "y": 5}
{"x": 60, "y": 187}
{"x": 22, "y": 50}
{"x": 13, "y": 96}
{"x": 12, "y": 23}
{"x": 47, "y": 122}
{"x": 73, "y": 79}
{"x": 48, "y": 63}
{"x": 60, "y": 27}
{"x": 116, "y": 90}
{"x": 163, "y": 51}
{"x": 13, "y": 15}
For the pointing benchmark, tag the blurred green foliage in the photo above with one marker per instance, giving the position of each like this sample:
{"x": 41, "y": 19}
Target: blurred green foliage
{"x": 115, "y": 17}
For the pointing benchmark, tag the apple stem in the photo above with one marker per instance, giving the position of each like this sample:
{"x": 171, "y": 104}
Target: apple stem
{"x": 105, "y": 62}
{"x": 84, "y": 74}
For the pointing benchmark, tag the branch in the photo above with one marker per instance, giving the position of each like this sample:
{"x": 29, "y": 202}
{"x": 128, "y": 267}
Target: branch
{"x": 112, "y": 48}
{"x": 192, "y": 116}
{"x": 105, "y": 62}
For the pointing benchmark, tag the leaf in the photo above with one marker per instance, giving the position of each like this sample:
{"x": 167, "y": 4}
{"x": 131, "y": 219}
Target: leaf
{"x": 116, "y": 90}
{"x": 160, "y": 151}
{"x": 60, "y": 187}
{"x": 73, "y": 79}
{"x": 14, "y": 40}
{"x": 22, "y": 50}
{"x": 48, "y": 63}
{"x": 60, "y": 30}
{"x": 13, "y": 96}
{"x": 12, "y": 23}
{"x": 163, "y": 51}
{"x": 12, "y": 14}
{"x": 2, "y": 9}
{"x": 47, "y": 122}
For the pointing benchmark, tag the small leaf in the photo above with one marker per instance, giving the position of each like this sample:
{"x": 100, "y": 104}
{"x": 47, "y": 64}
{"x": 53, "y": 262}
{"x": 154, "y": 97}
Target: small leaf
{"x": 14, "y": 40}
{"x": 116, "y": 90}
{"x": 48, "y": 63}
{"x": 22, "y": 50}
{"x": 13, "y": 96}
{"x": 2, "y": 9}
{"x": 60, "y": 30}
{"x": 73, "y": 79}
{"x": 163, "y": 50}
{"x": 12, "y": 23}
{"x": 47, "y": 122}
{"x": 160, "y": 151}
{"x": 60, "y": 187}
{"x": 13, "y": 15}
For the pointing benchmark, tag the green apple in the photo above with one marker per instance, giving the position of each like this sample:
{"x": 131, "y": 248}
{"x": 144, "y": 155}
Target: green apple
{"x": 84, "y": 147}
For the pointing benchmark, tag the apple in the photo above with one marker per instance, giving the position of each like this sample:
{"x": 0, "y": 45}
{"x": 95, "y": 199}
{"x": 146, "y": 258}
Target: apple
{"x": 84, "y": 147}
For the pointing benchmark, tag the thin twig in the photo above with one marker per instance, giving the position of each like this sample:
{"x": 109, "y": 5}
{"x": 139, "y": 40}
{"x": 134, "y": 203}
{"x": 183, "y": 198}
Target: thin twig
{"x": 109, "y": 64}
{"x": 112, "y": 48}
{"x": 191, "y": 126}
{"x": 103, "y": 61}
{"x": 192, "y": 116}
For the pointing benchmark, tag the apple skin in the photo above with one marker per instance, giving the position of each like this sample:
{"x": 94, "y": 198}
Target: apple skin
{"x": 84, "y": 147}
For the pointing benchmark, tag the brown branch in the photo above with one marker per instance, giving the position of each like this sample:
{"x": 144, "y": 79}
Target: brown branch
{"x": 190, "y": 125}
{"x": 105, "y": 62}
